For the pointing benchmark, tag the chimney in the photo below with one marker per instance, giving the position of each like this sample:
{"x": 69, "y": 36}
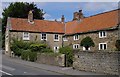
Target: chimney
{"x": 30, "y": 16}
{"x": 75, "y": 16}
{"x": 78, "y": 15}
{"x": 62, "y": 19}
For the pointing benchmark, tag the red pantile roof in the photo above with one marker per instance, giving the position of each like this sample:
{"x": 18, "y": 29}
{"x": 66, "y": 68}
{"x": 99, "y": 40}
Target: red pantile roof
{"x": 21, "y": 24}
{"x": 97, "y": 22}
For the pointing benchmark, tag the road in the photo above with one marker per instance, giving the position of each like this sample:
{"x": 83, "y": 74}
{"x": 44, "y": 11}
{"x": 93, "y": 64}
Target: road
{"x": 12, "y": 68}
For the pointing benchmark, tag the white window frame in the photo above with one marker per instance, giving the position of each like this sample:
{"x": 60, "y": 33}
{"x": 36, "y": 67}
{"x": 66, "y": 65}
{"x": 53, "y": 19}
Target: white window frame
{"x": 42, "y": 36}
{"x": 75, "y": 37}
{"x": 28, "y": 36}
{"x": 75, "y": 45}
{"x": 65, "y": 38}
{"x": 102, "y": 46}
{"x": 54, "y": 37}
{"x": 56, "y": 50}
{"x": 84, "y": 49}
{"x": 101, "y": 34}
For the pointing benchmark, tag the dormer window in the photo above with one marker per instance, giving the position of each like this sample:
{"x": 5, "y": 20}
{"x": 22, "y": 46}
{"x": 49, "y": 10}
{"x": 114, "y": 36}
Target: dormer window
{"x": 76, "y": 37}
{"x": 102, "y": 34}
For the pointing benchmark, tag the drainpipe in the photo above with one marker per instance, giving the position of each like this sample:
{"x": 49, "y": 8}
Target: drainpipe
{"x": 63, "y": 35}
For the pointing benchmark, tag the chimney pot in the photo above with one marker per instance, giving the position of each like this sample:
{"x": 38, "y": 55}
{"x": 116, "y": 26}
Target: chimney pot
{"x": 80, "y": 10}
{"x": 63, "y": 19}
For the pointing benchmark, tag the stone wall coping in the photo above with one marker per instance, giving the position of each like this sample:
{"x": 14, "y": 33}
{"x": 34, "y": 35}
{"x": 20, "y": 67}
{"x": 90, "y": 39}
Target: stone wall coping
{"x": 78, "y": 51}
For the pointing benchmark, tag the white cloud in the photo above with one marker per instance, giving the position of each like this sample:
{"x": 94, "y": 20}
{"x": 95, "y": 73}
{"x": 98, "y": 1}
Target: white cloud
{"x": 95, "y": 6}
{"x": 47, "y": 16}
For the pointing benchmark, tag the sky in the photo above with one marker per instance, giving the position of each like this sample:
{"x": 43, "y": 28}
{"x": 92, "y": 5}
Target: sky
{"x": 54, "y": 10}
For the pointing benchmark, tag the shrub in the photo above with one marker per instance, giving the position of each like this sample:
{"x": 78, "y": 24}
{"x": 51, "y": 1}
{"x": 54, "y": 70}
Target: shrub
{"x": 18, "y": 52}
{"x": 25, "y": 55}
{"x": 87, "y": 42}
{"x": 69, "y": 55}
{"x": 117, "y": 44}
{"x": 47, "y": 50}
{"x": 32, "y": 56}
{"x": 18, "y": 46}
{"x": 37, "y": 47}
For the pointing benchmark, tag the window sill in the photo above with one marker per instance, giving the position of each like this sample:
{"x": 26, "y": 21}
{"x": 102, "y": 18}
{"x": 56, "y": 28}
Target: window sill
{"x": 56, "y": 40}
{"x": 26, "y": 39}
{"x": 102, "y": 37}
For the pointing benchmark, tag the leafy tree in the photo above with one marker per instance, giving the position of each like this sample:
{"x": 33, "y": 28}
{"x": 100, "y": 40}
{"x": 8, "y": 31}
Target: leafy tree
{"x": 20, "y": 10}
{"x": 87, "y": 42}
{"x": 117, "y": 44}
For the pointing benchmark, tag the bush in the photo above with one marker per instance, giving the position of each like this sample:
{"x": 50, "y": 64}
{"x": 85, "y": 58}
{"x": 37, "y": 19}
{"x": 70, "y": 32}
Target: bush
{"x": 37, "y": 47}
{"x": 18, "y": 46}
{"x": 25, "y": 55}
{"x": 47, "y": 50}
{"x": 28, "y": 55}
{"x": 87, "y": 42}
{"x": 69, "y": 55}
{"x": 32, "y": 56}
{"x": 117, "y": 44}
{"x": 18, "y": 52}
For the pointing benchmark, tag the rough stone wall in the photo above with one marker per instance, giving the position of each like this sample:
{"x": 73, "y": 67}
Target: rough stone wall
{"x": 37, "y": 37}
{"x": 111, "y": 38}
{"x": 101, "y": 62}
{"x": 51, "y": 59}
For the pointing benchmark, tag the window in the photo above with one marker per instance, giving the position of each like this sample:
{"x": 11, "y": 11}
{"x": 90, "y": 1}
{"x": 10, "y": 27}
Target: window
{"x": 65, "y": 38}
{"x": 43, "y": 36}
{"x": 56, "y": 37}
{"x": 102, "y": 46}
{"x": 102, "y": 34}
{"x": 75, "y": 46}
{"x": 26, "y": 36}
{"x": 56, "y": 48}
{"x": 76, "y": 37}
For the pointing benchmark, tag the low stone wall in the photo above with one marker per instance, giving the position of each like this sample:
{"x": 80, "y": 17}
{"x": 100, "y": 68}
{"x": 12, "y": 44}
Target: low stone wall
{"x": 51, "y": 59}
{"x": 101, "y": 62}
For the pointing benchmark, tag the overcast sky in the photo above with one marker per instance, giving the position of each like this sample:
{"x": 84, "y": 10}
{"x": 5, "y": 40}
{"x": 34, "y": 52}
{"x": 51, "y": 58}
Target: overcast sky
{"x": 54, "y": 10}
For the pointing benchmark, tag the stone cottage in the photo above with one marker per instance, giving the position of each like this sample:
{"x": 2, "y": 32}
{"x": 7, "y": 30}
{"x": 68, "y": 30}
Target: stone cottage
{"x": 102, "y": 28}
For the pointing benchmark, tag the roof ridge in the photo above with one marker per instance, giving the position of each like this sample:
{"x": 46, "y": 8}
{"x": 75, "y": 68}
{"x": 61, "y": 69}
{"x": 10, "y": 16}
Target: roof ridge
{"x": 103, "y": 13}
{"x": 36, "y": 19}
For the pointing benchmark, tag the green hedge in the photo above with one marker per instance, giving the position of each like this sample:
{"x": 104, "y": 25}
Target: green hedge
{"x": 37, "y": 47}
{"x": 32, "y": 56}
{"x": 25, "y": 55}
{"x": 28, "y": 55}
{"x": 18, "y": 46}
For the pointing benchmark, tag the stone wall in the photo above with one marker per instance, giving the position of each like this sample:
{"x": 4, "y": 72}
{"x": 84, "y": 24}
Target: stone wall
{"x": 37, "y": 37}
{"x": 51, "y": 59}
{"x": 101, "y": 62}
{"x": 112, "y": 36}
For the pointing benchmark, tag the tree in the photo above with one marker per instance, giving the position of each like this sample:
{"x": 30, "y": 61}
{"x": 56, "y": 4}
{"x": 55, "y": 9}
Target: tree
{"x": 117, "y": 44}
{"x": 87, "y": 42}
{"x": 20, "y": 10}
